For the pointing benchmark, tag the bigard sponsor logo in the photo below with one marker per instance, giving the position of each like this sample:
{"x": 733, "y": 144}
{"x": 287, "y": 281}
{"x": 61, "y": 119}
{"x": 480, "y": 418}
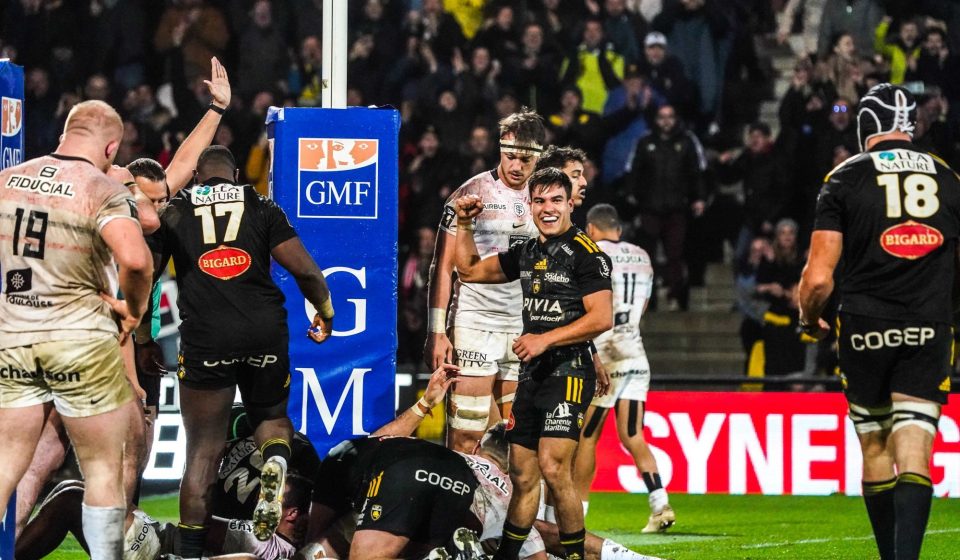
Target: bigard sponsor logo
{"x": 337, "y": 178}
{"x": 224, "y": 262}
{"x": 910, "y": 240}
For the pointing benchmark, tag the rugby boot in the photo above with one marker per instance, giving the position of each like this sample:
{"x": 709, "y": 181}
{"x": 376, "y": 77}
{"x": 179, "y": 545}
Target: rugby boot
{"x": 269, "y": 508}
{"x": 661, "y": 521}
{"x": 468, "y": 545}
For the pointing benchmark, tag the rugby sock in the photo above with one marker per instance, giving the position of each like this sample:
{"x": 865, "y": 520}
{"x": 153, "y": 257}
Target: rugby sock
{"x": 276, "y": 447}
{"x": 912, "y": 497}
{"x": 103, "y": 531}
{"x": 192, "y": 539}
{"x": 573, "y": 544}
{"x": 512, "y": 541}
{"x": 658, "y": 496}
{"x": 878, "y": 497}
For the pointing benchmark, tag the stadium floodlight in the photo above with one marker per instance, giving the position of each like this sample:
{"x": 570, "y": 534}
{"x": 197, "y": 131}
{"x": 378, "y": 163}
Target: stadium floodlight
{"x": 334, "y": 71}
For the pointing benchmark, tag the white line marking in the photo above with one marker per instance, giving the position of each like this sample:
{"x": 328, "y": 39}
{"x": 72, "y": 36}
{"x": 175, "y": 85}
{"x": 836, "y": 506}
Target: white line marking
{"x": 818, "y": 541}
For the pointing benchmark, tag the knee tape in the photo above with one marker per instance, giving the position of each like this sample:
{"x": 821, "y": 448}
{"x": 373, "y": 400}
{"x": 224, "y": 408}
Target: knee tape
{"x": 507, "y": 398}
{"x": 925, "y": 416}
{"x": 872, "y": 419}
{"x": 470, "y": 413}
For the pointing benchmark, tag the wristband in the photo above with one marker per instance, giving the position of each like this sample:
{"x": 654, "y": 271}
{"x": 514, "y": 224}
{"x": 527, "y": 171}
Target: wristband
{"x": 215, "y": 109}
{"x": 437, "y": 321}
{"x": 466, "y": 226}
{"x": 421, "y": 412}
{"x": 808, "y": 329}
{"x": 326, "y": 309}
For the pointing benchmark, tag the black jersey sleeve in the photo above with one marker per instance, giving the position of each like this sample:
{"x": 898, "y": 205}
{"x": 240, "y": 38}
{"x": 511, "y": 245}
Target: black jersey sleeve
{"x": 593, "y": 273}
{"x": 829, "y": 214}
{"x": 331, "y": 486}
{"x": 278, "y": 226}
{"x": 510, "y": 261}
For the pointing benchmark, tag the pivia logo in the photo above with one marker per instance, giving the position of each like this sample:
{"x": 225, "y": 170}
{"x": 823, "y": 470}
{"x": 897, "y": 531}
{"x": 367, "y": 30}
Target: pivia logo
{"x": 224, "y": 262}
{"x": 910, "y": 240}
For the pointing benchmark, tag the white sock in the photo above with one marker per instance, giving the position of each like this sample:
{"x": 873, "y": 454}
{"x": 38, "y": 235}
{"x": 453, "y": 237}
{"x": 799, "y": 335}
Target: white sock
{"x": 658, "y": 500}
{"x": 586, "y": 507}
{"x": 281, "y": 460}
{"x": 103, "y": 530}
{"x": 550, "y": 514}
{"x": 615, "y": 551}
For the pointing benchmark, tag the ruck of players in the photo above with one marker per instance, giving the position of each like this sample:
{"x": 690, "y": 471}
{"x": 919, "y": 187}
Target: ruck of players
{"x": 534, "y": 294}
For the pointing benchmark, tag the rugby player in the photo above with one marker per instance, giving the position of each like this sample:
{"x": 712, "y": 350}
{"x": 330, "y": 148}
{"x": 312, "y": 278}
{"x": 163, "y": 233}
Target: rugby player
{"x": 221, "y": 236}
{"x": 622, "y": 350}
{"x": 567, "y": 302}
{"x": 146, "y": 180}
{"x": 66, "y": 286}
{"x": 893, "y": 213}
{"x": 483, "y": 319}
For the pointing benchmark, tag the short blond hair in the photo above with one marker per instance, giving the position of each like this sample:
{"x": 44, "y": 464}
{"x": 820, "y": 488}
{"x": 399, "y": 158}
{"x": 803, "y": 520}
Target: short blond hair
{"x": 94, "y": 118}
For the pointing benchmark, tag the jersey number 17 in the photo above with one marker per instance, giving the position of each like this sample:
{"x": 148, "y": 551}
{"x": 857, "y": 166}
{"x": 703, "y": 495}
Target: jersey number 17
{"x": 206, "y": 213}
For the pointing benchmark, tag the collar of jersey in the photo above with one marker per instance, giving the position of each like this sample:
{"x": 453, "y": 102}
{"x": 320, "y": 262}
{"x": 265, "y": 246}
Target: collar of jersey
{"x": 892, "y": 145}
{"x": 63, "y": 157}
{"x": 565, "y": 236}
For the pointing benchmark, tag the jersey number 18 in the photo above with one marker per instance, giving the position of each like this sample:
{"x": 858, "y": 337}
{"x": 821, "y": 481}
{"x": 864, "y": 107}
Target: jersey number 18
{"x": 920, "y": 195}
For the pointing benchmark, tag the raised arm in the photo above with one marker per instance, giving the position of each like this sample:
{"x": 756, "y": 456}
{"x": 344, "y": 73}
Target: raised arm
{"x": 180, "y": 170}
{"x": 470, "y": 267}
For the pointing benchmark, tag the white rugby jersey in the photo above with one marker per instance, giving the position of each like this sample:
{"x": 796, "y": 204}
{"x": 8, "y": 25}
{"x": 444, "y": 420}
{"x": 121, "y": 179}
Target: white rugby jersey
{"x": 491, "y": 501}
{"x": 505, "y": 220}
{"x": 54, "y": 262}
{"x": 632, "y": 278}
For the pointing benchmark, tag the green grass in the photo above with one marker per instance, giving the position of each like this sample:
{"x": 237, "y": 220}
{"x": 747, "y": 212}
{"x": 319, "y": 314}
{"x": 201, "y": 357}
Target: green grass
{"x": 718, "y": 527}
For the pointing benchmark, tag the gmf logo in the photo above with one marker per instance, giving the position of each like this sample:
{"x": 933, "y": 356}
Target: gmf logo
{"x": 336, "y": 154}
{"x": 11, "y": 119}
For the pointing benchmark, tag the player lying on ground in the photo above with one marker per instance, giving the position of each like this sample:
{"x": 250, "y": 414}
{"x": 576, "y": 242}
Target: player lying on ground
{"x": 147, "y": 539}
{"x": 406, "y": 487}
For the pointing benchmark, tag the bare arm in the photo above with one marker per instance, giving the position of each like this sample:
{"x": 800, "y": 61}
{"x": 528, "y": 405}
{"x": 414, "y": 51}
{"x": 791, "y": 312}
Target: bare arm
{"x": 410, "y": 419}
{"x": 470, "y": 267}
{"x": 135, "y": 262}
{"x": 440, "y": 284}
{"x": 597, "y": 320}
{"x": 293, "y": 256}
{"x": 816, "y": 284}
{"x": 180, "y": 170}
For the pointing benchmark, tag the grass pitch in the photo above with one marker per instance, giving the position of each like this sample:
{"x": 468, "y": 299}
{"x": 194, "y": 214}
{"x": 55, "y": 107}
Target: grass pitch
{"x": 724, "y": 527}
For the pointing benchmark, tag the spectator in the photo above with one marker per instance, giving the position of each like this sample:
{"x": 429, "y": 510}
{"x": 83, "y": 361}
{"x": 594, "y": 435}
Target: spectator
{"x": 112, "y": 41}
{"x": 574, "y": 126}
{"x": 932, "y": 132}
{"x": 468, "y": 13}
{"x": 842, "y": 69}
{"x": 305, "y": 78}
{"x": 307, "y": 16}
{"x": 665, "y": 75}
{"x": 413, "y": 297}
{"x": 477, "y": 84}
{"x": 628, "y": 111}
{"x": 765, "y": 173}
{"x": 257, "y": 169}
{"x": 700, "y": 36}
{"x": 859, "y": 18}
{"x": 499, "y": 34}
{"x": 898, "y": 52}
{"x": 533, "y": 71}
{"x": 595, "y": 67}
{"x": 777, "y": 280}
{"x": 837, "y": 129}
{"x": 264, "y": 61}
{"x": 812, "y": 12}
{"x": 363, "y": 68}
{"x": 97, "y": 88}
{"x": 479, "y": 153}
{"x": 438, "y": 29}
{"x": 433, "y": 175}
{"x": 666, "y": 184}
{"x": 197, "y": 29}
{"x": 935, "y": 66}
{"x": 450, "y": 120}
{"x": 622, "y": 29}
{"x": 40, "y": 132}
{"x": 750, "y": 306}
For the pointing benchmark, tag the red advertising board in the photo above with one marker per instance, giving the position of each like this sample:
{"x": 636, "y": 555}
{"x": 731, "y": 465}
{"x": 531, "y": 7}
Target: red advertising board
{"x": 759, "y": 443}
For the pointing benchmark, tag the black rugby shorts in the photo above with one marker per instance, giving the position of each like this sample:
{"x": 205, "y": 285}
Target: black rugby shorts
{"x": 883, "y": 356}
{"x": 263, "y": 379}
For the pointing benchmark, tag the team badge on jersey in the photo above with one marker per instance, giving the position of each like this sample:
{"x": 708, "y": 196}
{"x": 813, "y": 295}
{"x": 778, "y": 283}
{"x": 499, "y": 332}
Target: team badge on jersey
{"x": 225, "y": 262}
{"x": 910, "y": 240}
{"x": 376, "y": 511}
{"x": 337, "y": 178}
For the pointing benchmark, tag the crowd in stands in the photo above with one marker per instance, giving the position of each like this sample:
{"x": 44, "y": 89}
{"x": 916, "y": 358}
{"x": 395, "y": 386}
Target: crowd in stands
{"x": 662, "y": 95}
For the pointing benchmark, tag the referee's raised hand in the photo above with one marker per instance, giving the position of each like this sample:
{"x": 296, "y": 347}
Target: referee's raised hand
{"x": 218, "y": 84}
